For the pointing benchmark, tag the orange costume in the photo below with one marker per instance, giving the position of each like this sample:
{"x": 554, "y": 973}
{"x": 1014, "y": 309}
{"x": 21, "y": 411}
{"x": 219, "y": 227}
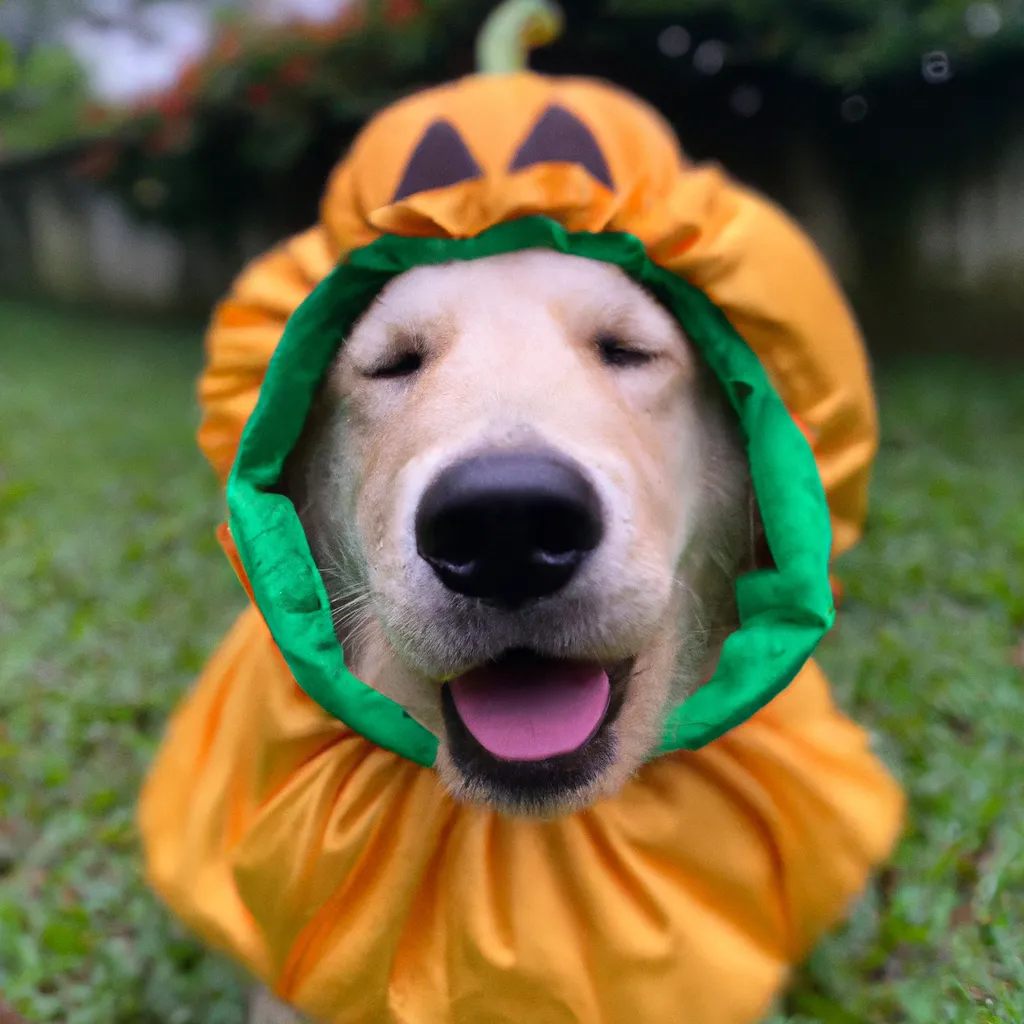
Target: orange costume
{"x": 337, "y": 870}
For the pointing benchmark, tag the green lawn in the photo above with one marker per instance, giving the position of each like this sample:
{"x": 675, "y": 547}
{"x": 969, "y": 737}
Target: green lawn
{"x": 113, "y": 591}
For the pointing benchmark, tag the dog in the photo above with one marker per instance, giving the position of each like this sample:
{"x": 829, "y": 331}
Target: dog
{"x": 529, "y": 503}
{"x": 533, "y": 516}
{"x": 519, "y": 477}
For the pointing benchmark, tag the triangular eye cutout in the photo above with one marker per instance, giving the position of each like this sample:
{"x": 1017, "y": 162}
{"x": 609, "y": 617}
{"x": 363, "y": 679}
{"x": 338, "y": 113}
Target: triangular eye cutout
{"x": 440, "y": 159}
{"x": 561, "y": 137}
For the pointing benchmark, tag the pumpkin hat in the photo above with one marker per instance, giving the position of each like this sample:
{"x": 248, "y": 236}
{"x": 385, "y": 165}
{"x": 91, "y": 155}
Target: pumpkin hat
{"x": 293, "y": 818}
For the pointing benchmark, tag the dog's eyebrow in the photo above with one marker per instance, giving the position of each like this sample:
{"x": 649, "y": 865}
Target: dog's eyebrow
{"x": 561, "y": 137}
{"x": 441, "y": 159}
{"x": 406, "y": 336}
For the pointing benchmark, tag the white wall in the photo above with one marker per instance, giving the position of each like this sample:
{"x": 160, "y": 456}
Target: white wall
{"x": 310, "y": 11}
{"x": 139, "y": 51}
{"x": 976, "y": 233}
{"x": 135, "y": 51}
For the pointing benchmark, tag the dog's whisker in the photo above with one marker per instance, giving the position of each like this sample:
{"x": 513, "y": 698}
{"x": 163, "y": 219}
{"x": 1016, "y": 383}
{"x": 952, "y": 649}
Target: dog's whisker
{"x": 361, "y": 631}
{"x": 349, "y": 626}
{"x": 337, "y": 568}
{"x": 349, "y": 600}
{"x": 349, "y": 613}
{"x": 354, "y": 639}
{"x": 346, "y": 609}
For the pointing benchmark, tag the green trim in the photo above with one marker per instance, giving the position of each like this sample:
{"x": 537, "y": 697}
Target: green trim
{"x": 784, "y": 612}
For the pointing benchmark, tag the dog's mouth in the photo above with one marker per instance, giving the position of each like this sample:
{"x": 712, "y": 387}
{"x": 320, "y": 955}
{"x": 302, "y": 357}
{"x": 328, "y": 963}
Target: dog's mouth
{"x": 529, "y": 729}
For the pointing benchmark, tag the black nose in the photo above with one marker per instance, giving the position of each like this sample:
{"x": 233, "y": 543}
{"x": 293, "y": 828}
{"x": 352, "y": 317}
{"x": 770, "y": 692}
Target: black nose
{"x": 508, "y": 527}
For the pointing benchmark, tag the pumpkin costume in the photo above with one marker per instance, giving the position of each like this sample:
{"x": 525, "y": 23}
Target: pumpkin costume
{"x": 292, "y": 818}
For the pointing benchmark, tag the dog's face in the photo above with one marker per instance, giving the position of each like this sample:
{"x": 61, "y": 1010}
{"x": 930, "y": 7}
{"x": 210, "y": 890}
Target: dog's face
{"x": 529, "y": 506}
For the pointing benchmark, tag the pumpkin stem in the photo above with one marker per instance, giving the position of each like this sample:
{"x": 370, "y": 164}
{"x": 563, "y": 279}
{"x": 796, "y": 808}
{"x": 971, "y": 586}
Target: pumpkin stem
{"x": 512, "y": 30}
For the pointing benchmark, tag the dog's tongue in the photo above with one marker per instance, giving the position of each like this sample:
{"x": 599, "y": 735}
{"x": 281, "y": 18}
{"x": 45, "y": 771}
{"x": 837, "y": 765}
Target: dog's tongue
{"x": 528, "y": 711}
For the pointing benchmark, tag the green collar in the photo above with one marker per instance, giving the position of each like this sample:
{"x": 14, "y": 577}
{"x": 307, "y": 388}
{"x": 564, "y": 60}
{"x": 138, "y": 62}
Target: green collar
{"x": 784, "y": 612}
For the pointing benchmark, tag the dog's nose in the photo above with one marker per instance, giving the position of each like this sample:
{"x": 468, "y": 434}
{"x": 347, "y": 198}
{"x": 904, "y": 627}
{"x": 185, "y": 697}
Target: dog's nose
{"x": 508, "y": 527}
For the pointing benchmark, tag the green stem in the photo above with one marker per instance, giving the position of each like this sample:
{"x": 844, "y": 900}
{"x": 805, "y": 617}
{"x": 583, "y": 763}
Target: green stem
{"x": 512, "y": 30}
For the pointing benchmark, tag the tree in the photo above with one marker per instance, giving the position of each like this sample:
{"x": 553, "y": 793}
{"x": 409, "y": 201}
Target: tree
{"x": 848, "y": 43}
{"x": 42, "y": 97}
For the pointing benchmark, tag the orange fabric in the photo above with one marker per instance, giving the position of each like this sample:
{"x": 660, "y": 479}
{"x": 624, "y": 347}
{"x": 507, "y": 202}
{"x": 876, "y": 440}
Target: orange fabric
{"x": 342, "y": 875}
{"x": 350, "y": 883}
{"x": 227, "y": 542}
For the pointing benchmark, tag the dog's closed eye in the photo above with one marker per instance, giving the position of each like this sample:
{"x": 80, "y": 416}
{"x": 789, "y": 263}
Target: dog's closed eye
{"x": 619, "y": 354}
{"x": 400, "y": 364}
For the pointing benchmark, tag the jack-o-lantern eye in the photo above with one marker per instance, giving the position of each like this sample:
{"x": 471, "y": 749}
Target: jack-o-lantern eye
{"x": 441, "y": 159}
{"x": 561, "y": 137}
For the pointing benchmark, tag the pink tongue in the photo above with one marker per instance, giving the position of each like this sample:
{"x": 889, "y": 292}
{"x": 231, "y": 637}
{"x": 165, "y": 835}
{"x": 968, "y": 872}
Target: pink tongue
{"x": 528, "y": 712}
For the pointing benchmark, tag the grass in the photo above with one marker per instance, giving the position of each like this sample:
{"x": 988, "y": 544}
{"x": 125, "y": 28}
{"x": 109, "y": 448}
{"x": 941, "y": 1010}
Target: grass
{"x": 113, "y": 591}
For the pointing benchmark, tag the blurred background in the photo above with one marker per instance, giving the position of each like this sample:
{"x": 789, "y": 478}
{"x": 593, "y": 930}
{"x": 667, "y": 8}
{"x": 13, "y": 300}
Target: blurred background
{"x": 148, "y": 148}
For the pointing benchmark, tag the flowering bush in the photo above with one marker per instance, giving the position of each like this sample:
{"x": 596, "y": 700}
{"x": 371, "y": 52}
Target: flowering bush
{"x": 251, "y": 132}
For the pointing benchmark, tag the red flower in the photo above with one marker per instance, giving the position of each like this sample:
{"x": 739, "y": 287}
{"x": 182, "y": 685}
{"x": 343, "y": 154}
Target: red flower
{"x": 173, "y": 105}
{"x": 228, "y": 47}
{"x": 171, "y": 137}
{"x": 95, "y": 114}
{"x": 259, "y": 95}
{"x": 97, "y": 162}
{"x": 191, "y": 79}
{"x": 295, "y": 71}
{"x": 403, "y": 10}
